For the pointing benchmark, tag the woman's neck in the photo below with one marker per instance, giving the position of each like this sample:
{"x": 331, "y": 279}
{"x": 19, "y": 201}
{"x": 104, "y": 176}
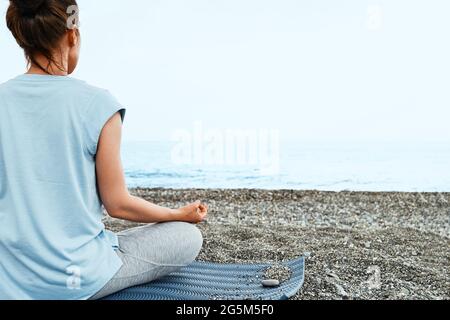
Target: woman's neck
{"x": 36, "y": 70}
{"x": 51, "y": 68}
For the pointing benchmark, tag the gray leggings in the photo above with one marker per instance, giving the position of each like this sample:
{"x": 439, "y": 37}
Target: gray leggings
{"x": 151, "y": 252}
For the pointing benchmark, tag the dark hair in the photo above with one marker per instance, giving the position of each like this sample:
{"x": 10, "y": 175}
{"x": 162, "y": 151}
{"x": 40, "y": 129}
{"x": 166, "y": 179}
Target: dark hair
{"x": 38, "y": 26}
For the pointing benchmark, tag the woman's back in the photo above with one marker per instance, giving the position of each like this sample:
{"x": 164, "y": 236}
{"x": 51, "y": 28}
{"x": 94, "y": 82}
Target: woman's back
{"x": 60, "y": 165}
{"x": 50, "y": 212}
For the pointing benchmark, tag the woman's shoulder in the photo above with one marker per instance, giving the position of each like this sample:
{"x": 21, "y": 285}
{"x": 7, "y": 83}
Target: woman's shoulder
{"x": 89, "y": 94}
{"x": 100, "y": 100}
{"x": 90, "y": 89}
{"x": 65, "y": 89}
{"x": 65, "y": 83}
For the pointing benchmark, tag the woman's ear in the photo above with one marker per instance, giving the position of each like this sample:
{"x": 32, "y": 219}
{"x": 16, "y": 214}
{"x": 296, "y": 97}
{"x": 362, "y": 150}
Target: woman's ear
{"x": 73, "y": 37}
{"x": 73, "y": 43}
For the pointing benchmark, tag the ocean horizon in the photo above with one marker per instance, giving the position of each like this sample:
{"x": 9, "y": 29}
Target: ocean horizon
{"x": 403, "y": 167}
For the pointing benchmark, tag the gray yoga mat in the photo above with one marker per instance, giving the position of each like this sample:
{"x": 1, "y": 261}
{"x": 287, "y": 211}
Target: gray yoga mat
{"x": 215, "y": 281}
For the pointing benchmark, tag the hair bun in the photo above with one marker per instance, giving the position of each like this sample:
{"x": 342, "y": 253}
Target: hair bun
{"x": 29, "y": 7}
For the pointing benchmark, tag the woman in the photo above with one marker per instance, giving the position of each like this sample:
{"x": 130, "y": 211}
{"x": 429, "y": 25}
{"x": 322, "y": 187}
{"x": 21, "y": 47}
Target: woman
{"x": 60, "y": 165}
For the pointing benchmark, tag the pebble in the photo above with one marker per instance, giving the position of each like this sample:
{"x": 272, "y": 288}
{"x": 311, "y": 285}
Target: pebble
{"x": 333, "y": 280}
{"x": 404, "y": 292}
{"x": 332, "y": 275}
{"x": 270, "y": 283}
{"x": 279, "y": 272}
{"x": 340, "y": 290}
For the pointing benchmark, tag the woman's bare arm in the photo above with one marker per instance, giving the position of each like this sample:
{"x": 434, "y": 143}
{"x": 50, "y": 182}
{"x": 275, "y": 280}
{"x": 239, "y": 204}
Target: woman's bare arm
{"x": 113, "y": 190}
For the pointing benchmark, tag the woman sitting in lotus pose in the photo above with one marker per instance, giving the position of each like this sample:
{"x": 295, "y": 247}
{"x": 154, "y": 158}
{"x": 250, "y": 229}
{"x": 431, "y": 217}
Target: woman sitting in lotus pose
{"x": 60, "y": 165}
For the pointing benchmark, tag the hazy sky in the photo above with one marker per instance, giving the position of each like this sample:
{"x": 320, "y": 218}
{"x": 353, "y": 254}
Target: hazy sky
{"x": 314, "y": 69}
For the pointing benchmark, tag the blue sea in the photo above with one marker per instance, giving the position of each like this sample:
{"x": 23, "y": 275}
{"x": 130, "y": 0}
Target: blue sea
{"x": 423, "y": 167}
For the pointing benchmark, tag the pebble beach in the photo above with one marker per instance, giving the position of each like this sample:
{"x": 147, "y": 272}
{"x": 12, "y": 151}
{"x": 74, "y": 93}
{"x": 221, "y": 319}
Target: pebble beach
{"x": 357, "y": 245}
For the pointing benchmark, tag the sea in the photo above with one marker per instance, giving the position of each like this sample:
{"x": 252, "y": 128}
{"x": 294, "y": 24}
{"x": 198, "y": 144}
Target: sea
{"x": 383, "y": 166}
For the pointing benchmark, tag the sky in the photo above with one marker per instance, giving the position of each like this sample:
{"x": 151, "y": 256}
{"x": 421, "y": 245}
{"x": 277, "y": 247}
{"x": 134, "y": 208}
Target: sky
{"x": 315, "y": 70}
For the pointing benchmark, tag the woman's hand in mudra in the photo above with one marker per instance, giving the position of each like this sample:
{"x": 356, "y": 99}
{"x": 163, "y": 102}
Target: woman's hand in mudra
{"x": 194, "y": 213}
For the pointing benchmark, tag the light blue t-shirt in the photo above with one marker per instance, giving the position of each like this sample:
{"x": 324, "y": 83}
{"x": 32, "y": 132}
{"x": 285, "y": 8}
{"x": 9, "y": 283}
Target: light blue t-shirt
{"x": 53, "y": 244}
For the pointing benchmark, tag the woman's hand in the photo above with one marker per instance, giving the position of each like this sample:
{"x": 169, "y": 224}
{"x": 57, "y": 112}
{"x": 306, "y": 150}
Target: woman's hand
{"x": 194, "y": 213}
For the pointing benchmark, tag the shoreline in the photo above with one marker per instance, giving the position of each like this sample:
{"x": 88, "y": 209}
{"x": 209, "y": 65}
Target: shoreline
{"x": 348, "y": 237}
